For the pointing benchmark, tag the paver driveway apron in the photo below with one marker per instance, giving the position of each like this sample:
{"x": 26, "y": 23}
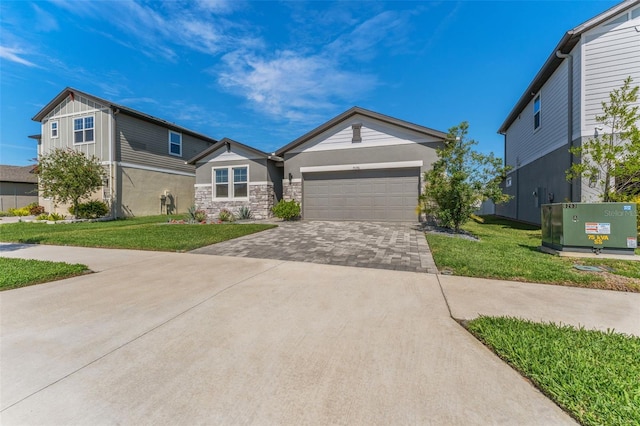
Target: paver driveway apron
{"x": 397, "y": 246}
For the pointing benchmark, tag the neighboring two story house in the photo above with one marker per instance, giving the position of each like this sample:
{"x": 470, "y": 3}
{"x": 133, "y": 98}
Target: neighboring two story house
{"x": 360, "y": 165}
{"x": 144, "y": 157}
{"x": 559, "y": 107}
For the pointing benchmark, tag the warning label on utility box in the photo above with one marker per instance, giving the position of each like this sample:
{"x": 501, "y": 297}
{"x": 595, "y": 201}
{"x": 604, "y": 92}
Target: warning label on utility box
{"x": 597, "y": 228}
{"x": 632, "y": 242}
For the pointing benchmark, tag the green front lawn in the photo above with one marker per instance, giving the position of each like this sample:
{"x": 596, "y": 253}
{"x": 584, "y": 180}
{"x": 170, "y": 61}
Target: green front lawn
{"x": 595, "y": 376}
{"x": 509, "y": 250}
{"x": 22, "y": 272}
{"x": 145, "y": 233}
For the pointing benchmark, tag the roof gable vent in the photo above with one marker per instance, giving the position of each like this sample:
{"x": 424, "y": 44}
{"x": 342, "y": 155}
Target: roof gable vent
{"x": 357, "y": 137}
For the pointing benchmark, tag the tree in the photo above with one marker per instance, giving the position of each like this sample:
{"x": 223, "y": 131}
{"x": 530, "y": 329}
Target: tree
{"x": 611, "y": 160}
{"x": 68, "y": 176}
{"x": 461, "y": 179}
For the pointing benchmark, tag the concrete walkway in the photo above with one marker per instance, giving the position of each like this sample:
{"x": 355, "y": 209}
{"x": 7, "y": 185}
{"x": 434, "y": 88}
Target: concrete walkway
{"x": 183, "y": 338}
{"x": 395, "y": 246}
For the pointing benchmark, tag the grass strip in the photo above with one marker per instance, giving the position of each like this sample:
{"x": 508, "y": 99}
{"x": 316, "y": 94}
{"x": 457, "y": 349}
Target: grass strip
{"x": 593, "y": 375}
{"x": 509, "y": 250}
{"x": 16, "y": 273}
{"x": 147, "y": 233}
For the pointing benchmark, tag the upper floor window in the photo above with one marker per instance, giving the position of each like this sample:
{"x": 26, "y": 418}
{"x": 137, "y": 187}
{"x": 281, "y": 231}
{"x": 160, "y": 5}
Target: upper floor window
{"x": 536, "y": 112}
{"x": 231, "y": 182}
{"x": 54, "y": 129}
{"x": 175, "y": 143}
{"x": 83, "y": 129}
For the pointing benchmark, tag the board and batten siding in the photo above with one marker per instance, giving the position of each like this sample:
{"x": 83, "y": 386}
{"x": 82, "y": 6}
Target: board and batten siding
{"x": 609, "y": 58}
{"x": 525, "y": 143}
{"x": 147, "y": 144}
{"x": 67, "y": 111}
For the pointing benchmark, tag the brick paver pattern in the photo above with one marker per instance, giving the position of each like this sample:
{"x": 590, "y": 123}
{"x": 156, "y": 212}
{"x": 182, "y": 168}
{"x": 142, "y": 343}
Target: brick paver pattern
{"x": 398, "y": 246}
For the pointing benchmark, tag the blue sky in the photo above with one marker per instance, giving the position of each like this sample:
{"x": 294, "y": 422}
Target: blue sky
{"x": 264, "y": 73}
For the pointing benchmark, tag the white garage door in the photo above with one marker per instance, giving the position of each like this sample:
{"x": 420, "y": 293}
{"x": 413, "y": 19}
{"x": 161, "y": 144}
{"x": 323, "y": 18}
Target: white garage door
{"x": 389, "y": 195}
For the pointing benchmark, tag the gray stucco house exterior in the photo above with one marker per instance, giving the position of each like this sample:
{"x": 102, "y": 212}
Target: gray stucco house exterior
{"x": 143, "y": 156}
{"x": 230, "y": 175}
{"x": 360, "y": 165}
{"x": 559, "y": 107}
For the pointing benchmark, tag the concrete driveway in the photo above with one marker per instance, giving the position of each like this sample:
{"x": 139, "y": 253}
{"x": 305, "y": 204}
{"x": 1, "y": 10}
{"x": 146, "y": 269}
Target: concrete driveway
{"x": 194, "y": 339}
{"x": 395, "y": 246}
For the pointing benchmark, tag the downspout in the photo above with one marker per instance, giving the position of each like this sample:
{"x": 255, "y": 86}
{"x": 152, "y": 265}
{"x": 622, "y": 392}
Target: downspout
{"x": 568, "y": 56}
{"x": 112, "y": 159}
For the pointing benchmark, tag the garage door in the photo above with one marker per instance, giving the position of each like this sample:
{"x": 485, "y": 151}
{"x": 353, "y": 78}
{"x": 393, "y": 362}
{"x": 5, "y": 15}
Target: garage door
{"x": 389, "y": 195}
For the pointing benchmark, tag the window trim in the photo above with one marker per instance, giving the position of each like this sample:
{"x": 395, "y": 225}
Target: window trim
{"x": 84, "y": 129}
{"x": 230, "y": 183}
{"x": 173, "y": 143}
{"x": 57, "y": 129}
{"x": 538, "y": 113}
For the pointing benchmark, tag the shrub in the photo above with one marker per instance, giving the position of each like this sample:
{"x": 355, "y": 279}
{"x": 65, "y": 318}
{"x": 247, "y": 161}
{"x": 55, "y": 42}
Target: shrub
{"x": 90, "y": 210}
{"x": 35, "y": 209}
{"x": 226, "y": 216}
{"x": 195, "y": 215}
{"x": 244, "y": 212}
{"x": 51, "y": 216}
{"x": 287, "y": 210}
{"x": 23, "y": 211}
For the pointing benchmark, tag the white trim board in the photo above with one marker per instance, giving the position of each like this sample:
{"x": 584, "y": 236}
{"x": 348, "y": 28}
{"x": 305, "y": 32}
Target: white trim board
{"x": 365, "y": 166}
{"x": 154, "y": 169}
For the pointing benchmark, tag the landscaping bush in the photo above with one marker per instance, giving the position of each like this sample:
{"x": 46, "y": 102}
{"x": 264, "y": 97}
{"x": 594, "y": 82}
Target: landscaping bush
{"x": 195, "y": 215}
{"x": 287, "y": 210}
{"x": 23, "y": 211}
{"x": 226, "y": 216}
{"x": 35, "y": 209}
{"x": 244, "y": 213}
{"x": 51, "y": 216}
{"x": 90, "y": 210}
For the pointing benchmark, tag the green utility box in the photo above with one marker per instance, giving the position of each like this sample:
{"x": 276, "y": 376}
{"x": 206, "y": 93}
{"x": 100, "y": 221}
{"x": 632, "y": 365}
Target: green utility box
{"x": 590, "y": 227}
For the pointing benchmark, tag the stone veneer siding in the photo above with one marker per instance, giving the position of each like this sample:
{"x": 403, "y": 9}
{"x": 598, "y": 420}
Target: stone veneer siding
{"x": 292, "y": 191}
{"x": 261, "y": 199}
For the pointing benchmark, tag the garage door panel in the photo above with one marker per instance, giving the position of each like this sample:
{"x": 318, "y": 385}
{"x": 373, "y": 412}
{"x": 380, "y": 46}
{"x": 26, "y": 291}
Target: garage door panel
{"x": 374, "y": 195}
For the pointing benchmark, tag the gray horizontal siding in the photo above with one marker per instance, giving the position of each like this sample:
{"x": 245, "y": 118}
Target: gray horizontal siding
{"x": 257, "y": 170}
{"x": 382, "y": 154}
{"x": 147, "y": 144}
{"x": 609, "y": 58}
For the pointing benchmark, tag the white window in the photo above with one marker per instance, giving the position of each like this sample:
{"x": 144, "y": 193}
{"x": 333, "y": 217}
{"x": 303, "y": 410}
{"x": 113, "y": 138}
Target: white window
{"x": 231, "y": 182}
{"x": 536, "y": 112}
{"x": 240, "y": 182}
{"x": 54, "y": 129}
{"x": 83, "y": 130}
{"x": 175, "y": 143}
{"x": 509, "y": 182}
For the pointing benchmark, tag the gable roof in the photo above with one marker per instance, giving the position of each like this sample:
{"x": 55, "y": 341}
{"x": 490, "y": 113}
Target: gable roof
{"x": 121, "y": 108}
{"x": 227, "y": 141}
{"x": 21, "y": 174}
{"x": 565, "y": 45}
{"x": 366, "y": 113}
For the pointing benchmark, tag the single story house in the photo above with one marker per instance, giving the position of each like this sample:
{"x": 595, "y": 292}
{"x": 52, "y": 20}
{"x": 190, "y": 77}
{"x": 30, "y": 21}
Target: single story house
{"x": 360, "y": 165}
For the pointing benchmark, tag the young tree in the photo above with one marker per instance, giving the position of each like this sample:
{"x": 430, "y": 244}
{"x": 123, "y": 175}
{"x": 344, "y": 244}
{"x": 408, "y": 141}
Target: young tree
{"x": 461, "y": 179}
{"x": 611, "y": 160}
{"x": 67, "y": 176}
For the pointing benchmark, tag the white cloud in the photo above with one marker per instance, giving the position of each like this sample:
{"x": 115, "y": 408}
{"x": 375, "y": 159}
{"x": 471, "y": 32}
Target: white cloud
{"x": 14, "y": 55}
{"x": 44, "y": 21}
{"x": 290, "y": 85}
